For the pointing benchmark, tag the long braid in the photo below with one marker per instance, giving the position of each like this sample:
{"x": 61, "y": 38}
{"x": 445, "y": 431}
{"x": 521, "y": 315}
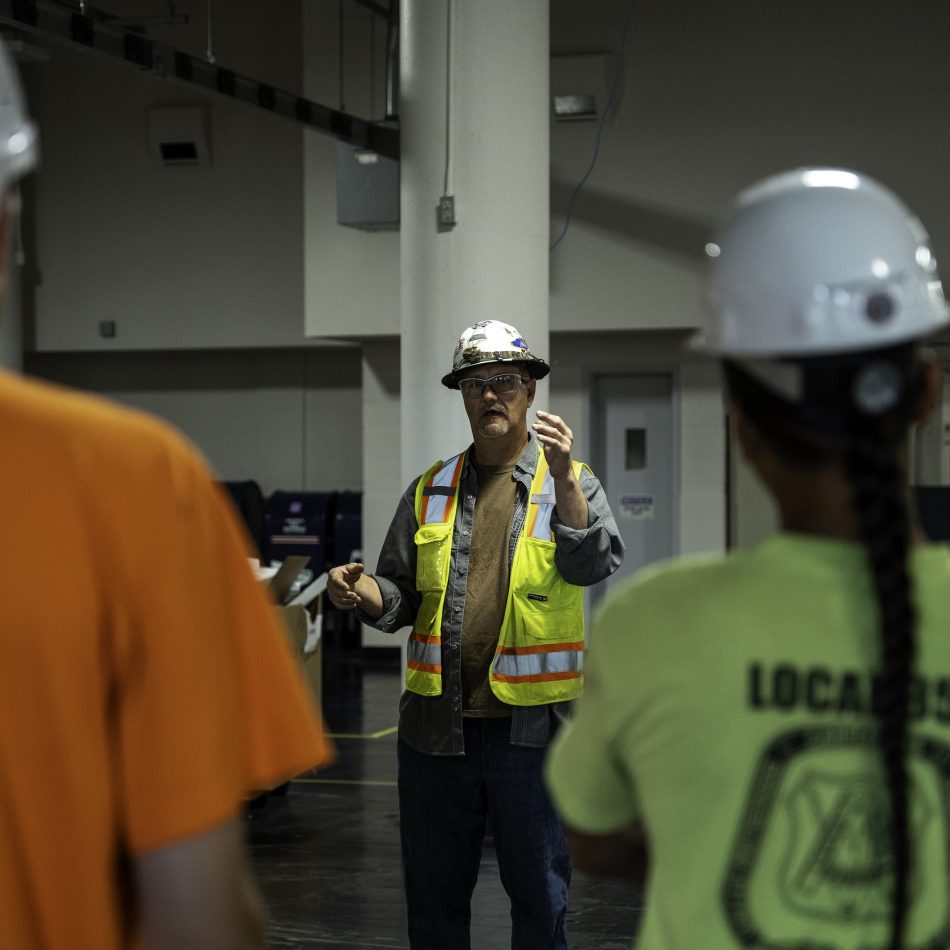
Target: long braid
{"x": 810, "y": 434}
{"x": 879, "y": 497}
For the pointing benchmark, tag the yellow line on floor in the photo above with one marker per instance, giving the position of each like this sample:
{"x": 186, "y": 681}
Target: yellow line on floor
{"x": 363, "y": 735}
{"x": 341, "y": 781}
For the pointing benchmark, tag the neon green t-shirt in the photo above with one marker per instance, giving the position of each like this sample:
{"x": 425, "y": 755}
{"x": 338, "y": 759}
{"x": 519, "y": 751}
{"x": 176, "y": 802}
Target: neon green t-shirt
{"x": 729, "y": 706}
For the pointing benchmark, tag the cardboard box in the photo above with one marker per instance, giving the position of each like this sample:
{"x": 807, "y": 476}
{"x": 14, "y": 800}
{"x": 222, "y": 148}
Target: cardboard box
{"x": 301, "y": 615}
{"x": 304, "y": 627}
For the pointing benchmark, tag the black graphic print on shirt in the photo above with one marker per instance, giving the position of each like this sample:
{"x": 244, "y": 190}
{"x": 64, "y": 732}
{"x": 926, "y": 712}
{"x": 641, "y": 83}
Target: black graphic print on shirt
{"x": 811, "y": 866}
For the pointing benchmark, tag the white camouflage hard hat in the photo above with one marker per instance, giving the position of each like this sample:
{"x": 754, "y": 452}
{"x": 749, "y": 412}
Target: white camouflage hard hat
{"x": 492, "y": 341}
{"x": 819, "y": 261}
{"x": 18, "y": 136}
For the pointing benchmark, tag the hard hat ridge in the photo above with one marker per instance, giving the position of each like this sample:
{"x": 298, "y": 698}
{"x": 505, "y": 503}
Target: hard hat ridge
{"x": 492, "y": 341}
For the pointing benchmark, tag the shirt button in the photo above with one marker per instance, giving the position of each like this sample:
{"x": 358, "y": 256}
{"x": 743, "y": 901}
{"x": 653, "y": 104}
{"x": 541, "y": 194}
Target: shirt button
{"x": 455, "y": 646}
{"x": 457, "y": 608}
{"x": 466, "y": 532}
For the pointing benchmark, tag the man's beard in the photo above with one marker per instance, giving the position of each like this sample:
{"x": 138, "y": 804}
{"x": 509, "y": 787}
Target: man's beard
{"x": 494, "y": 427}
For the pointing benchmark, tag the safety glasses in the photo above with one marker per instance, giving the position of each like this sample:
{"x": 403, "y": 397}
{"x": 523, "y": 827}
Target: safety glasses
{"x": 502, "y": 385}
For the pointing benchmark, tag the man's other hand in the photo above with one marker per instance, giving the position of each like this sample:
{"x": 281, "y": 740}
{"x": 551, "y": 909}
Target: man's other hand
{"x": 342, "y": 584}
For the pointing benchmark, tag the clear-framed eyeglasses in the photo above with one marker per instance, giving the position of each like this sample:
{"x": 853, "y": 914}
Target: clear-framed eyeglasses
{"x": 502, "y": 385}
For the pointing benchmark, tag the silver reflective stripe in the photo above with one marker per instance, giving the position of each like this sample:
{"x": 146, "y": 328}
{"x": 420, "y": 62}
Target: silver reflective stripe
{"x": 538, "y": 664}
{"x": 542, "y": 524}
{"x": 428, "y": 654}
{"x": 435, "y": 509}
{"x": 437, "y": 504}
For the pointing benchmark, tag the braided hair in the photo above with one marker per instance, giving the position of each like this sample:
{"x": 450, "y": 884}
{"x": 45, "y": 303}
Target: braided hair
{"x": 855, "y": 411}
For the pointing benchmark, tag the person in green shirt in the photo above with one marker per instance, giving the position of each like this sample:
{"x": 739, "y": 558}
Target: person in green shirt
{"x": 765, "y": 735}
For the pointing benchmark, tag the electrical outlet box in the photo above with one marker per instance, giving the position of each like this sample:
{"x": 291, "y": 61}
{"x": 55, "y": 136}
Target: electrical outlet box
{"x": 446, "y": 211}
{"x": 367, "y": 189}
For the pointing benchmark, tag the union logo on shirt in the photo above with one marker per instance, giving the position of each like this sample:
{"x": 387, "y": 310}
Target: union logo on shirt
{"x": 839, "y": 865}
{"x": 812, "y": 866}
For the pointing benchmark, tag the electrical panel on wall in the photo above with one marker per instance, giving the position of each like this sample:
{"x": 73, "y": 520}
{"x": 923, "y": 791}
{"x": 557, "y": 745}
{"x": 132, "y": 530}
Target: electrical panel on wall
{"x": 367, "y": 189}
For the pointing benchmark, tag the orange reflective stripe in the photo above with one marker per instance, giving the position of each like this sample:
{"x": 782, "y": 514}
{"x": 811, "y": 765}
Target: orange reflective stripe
{"x": 446, "y": 503}
{"x": 450, "y": 507}
{"x": 423, "y": 667}
{"x": 539, "y": 677}
{"x": 424, "y": 637}
{"x": 425, "y": 507}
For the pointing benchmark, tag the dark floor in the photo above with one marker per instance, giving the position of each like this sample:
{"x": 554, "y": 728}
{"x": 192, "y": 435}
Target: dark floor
{"x": 327, "y": 852}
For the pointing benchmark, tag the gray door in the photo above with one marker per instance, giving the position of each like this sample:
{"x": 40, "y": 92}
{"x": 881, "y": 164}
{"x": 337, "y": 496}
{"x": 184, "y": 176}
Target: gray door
{"x": 634, "y": 457}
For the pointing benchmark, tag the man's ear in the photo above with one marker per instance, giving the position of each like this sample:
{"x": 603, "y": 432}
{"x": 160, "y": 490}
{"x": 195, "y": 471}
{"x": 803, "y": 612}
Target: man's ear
{"x": 531, "y": 385}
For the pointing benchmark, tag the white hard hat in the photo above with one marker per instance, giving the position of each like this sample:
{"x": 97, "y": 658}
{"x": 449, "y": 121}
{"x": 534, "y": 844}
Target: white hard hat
{"x": 492, "y": 341}
{"x": 18, "y": 136}
{"x": 819, "y": 261}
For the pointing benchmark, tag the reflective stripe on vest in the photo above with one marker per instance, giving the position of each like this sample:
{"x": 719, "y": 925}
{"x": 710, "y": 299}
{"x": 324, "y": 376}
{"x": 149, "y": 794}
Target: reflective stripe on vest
{"x": 424, "y": 653}
{"x": 436, "y": 499}
{"x": 539, "y": 664}
{"x": 440, "y": 492}
{"x": 542, "y": 506}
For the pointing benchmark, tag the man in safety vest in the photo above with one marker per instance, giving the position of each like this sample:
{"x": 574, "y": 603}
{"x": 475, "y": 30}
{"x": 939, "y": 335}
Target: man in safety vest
{"x": 486, "y": 559}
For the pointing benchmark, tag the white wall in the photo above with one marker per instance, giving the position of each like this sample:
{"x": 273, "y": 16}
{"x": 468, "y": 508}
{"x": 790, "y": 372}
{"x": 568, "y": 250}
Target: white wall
{"x": 351, "y": 277}
{"x": 182, "y": 256}
{"x": 289, "y": 419}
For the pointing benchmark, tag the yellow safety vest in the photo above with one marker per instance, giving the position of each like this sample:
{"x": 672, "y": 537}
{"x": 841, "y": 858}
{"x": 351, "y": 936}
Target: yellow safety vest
{"x": 540, "y": 653}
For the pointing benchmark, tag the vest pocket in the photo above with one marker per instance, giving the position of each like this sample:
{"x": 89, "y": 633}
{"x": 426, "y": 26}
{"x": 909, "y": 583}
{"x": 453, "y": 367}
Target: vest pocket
{"x": 544, "y": 606}
{"x": 432, "y": 556}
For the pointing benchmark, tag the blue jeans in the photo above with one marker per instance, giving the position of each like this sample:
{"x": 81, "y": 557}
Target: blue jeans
{"x": 443, "y": 805}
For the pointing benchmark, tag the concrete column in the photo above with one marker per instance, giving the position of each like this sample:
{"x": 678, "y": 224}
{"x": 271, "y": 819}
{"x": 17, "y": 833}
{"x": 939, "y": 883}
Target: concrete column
{"x": 491, "y": 100}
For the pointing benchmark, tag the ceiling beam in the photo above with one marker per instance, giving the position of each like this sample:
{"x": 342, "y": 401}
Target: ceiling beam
{"x": 54, "y": 21}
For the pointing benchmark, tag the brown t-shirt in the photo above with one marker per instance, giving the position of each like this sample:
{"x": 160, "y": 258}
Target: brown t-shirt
{"x": 487, "y": 589}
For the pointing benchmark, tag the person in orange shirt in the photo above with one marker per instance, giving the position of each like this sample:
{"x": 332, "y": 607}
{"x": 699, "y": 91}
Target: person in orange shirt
{"x": 146, "y": 686}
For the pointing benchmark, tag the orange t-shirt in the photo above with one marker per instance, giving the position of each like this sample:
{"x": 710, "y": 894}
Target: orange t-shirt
{"x": 146, "y": 686}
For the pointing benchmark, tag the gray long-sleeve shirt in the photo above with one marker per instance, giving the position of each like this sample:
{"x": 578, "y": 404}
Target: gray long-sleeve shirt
{"x": 433, "y": 724}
